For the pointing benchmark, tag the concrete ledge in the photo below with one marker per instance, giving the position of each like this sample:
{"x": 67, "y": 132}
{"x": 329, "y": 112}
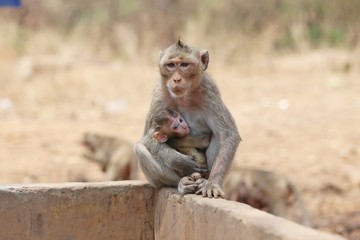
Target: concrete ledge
{"x": 133, "y": 210}
{"x": 194, "y": 217}
{"x": 110, "y": 210}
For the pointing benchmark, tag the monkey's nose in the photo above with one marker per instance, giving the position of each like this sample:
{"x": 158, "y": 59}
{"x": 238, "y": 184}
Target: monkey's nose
{"x": 177, "y": 80}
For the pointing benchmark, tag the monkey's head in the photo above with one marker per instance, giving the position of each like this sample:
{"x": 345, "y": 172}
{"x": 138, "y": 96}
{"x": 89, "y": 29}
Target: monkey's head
{"x": 169, "y": 124}
{"x": 181, "y": 68}
{"x": 90, "y": 140}
{"x": 95, "y": 142}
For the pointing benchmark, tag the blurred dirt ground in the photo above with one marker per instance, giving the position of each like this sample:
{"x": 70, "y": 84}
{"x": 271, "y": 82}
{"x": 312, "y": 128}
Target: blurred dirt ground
{"x": 298, "y": 115}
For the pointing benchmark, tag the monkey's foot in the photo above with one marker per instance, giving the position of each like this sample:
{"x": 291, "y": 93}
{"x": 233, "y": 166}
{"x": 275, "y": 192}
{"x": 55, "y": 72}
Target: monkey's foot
{"x": 190, "y": 184}
{"x": 210, "y": 189}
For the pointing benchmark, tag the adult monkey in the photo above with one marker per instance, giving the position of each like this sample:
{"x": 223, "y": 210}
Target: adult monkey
{"x": 186, "y": 87}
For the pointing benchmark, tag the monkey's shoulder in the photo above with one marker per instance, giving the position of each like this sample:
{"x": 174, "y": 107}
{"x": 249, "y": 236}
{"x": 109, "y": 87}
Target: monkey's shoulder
{"x": 208, "y": 84}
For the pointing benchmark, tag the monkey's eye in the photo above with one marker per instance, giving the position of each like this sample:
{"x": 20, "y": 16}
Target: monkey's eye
{"x": 181, "y": 120}
{"x": 170, "y": 66}
{"x": 184, "y": 66}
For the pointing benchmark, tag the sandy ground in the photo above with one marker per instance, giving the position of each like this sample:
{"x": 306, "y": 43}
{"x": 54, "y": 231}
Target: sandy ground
{"x": 298, "y": 116}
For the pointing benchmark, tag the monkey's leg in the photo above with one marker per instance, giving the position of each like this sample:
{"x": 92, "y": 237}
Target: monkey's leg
{"x": 157, "y": 174}
{"x": 213, "y": 186}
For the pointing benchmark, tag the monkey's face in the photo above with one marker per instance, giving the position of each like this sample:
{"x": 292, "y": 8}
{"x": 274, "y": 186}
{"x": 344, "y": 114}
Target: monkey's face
{"x": 174, "y": 127}
{"x": 180, "y": 68}
{"x": 179, "y": 127}
{"x": 90, "y": 141}
{"x": 180, "y": 79}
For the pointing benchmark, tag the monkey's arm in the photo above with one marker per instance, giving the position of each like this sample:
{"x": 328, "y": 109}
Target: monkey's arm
{"x": 163, "y": 165}
{"x": 156, "y": 173}
{"x": 221, "y": 151}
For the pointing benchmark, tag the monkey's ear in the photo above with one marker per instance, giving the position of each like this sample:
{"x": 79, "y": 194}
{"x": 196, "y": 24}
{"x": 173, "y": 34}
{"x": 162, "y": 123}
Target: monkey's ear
{"x": 204, "y": 54}
{"x": 160, "y": 137}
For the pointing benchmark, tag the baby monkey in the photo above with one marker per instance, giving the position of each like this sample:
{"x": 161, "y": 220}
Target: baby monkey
{"x": 170, "y": 127}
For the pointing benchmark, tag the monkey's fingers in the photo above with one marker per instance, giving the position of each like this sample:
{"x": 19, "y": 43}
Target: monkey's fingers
{"x": 205, "y": 192}
{"x": 200, "y": 191}
{"x": 195, "y": 176}
{"x": 186, "y": 189}
{"x": 210, "y": 190}
{"x": 201, "y": 170}
{"x": 201, "y": 182}
{"x": 208, "y": 193}
{"x": 218, "y": 193}
{"x": 188, "y": 180}
{"x": 214, "y": 192}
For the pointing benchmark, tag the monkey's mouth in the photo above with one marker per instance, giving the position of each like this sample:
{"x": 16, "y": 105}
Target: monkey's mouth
{"x": 178, "y": 91}
{"x": 187, "y": 131}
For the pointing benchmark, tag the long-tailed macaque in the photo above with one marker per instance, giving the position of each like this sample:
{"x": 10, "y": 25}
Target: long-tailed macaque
{"x": 115, "y": 155}
{"x": 185, "y": 86}
{"x": 266, "y": 191}
{"x": 170, "y": 127}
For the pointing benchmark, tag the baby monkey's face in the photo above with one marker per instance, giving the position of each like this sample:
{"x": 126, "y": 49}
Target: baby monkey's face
{"x": 179, "y": 127}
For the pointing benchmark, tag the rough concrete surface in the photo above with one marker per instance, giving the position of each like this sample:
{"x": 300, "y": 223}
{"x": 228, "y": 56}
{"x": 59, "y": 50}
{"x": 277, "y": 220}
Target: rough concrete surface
{"x": 194, "y": 217}
{"x": 134, "y": 210}
{"x": 109, "y": 210}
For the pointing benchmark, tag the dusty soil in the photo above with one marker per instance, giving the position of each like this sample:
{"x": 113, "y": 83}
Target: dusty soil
{"x": 298, "y": 116}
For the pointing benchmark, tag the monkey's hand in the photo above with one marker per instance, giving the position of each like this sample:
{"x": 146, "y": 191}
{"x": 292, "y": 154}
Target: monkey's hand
{"x": 210, "y": 189}
{"x": 187, "y": 186}
{"x": 190, "y": 184}
{"x": 185, "y": 165}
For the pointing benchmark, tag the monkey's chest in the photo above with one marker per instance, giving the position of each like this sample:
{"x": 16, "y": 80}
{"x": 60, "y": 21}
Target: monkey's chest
{"x": 196, "y": 121}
